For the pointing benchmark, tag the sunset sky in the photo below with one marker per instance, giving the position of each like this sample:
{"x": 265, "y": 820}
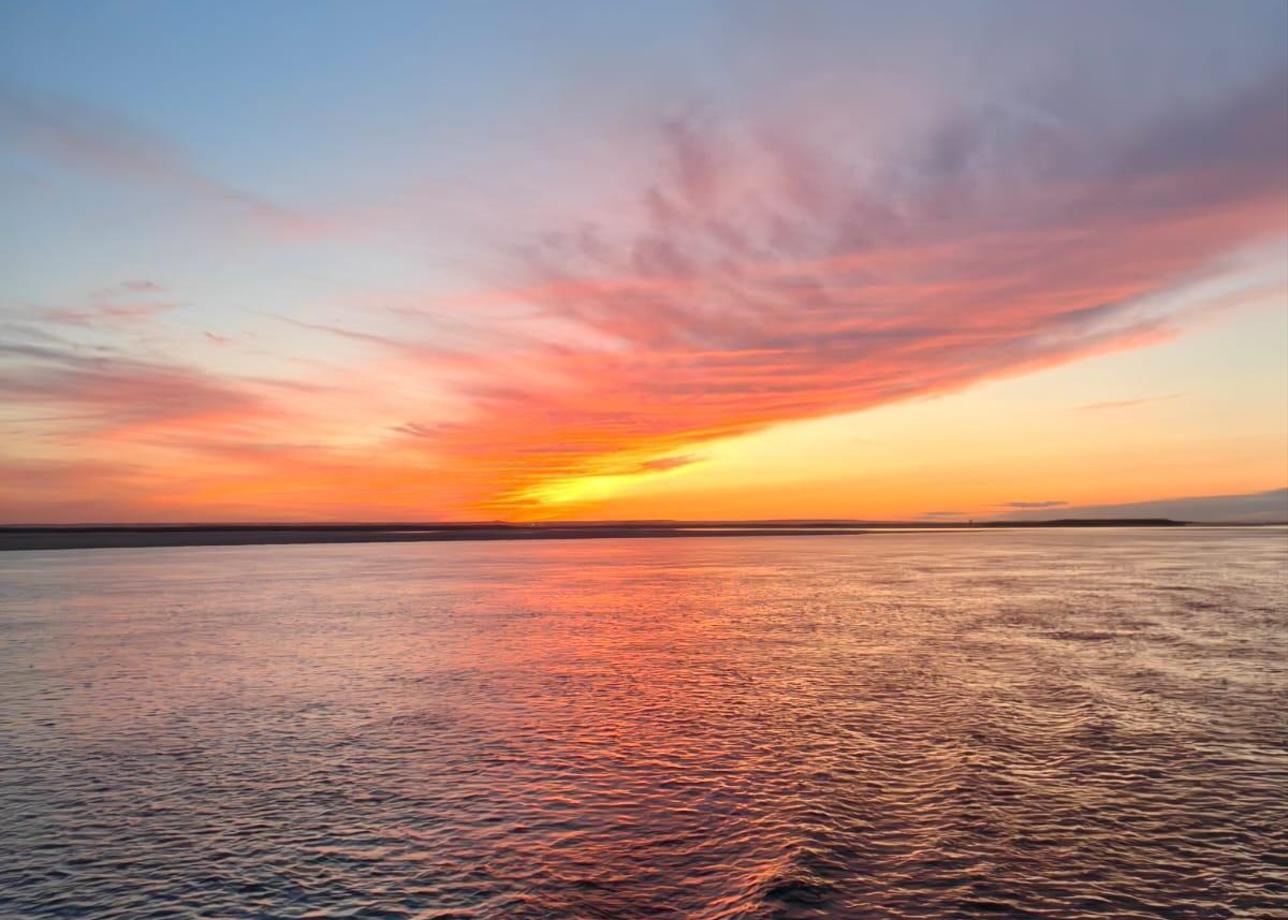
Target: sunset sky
{"x": 412, "y": 261}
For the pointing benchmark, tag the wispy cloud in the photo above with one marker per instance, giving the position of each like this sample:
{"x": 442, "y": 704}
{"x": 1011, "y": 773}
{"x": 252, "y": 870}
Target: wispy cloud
{"x": 124, "y": 304}
{"x": 116, "y": 306}
{"x": 124, "y": 394}
{"x": 1125, "y": 403}
{"x": 1253, "y": 507}
{"x": 87, "y": 139}
{"x": 662, "y": 464}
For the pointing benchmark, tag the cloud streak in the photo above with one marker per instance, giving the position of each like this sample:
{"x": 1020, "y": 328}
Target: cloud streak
{"x": 1125, "y": 403}
{"x": 87, "y": 139}
{"x": 122, "y": 395}
{"x": 1268, "y": 507}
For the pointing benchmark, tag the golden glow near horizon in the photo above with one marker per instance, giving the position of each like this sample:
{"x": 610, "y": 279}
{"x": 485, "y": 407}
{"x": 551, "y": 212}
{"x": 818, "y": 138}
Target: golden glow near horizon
{"x": 1044, "y": 441}
{"x": 1126, "y": 426}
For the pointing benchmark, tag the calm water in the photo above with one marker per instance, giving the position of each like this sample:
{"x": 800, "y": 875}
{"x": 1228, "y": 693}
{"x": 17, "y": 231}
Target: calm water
{"x": 1053, "y": 724}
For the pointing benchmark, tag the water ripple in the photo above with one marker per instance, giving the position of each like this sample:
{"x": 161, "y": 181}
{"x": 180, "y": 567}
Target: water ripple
{"x": 1050, "y": 725}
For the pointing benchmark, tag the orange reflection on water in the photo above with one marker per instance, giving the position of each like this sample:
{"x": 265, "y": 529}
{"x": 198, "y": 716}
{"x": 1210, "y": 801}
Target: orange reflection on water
{"x": 727, "y": 728}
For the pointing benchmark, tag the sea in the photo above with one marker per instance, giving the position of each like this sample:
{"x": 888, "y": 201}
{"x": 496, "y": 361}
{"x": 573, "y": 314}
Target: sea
{"x": 1020, "y": 723}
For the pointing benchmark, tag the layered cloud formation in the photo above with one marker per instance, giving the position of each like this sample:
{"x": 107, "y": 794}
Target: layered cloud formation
{"x": 766, "y": 280}
{"x": 745, "y": 270}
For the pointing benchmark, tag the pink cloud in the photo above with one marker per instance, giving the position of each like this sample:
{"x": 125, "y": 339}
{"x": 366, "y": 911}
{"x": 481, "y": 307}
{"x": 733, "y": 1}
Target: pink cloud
{"x": 760, "y": 281}
{"x": 124, "y": 395}
{"x": 107, "y": 314}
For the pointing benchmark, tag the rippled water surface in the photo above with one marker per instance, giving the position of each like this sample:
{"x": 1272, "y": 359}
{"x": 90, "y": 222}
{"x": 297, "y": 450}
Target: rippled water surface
{"x": 1011, "y": 724}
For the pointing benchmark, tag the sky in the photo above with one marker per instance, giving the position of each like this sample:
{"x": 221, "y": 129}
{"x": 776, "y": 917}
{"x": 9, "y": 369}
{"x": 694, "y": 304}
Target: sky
{"x": 411, "y": 261}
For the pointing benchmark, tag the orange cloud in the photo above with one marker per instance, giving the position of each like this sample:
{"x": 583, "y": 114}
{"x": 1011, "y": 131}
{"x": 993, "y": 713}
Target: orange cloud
{"x": 760, "y": 283}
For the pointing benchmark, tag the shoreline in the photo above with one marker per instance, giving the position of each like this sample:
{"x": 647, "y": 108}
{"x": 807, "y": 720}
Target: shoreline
{"x": 23, "y": 538}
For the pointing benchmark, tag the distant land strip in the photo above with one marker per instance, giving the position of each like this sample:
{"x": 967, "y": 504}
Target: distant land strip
{"x": 105, "y": 536}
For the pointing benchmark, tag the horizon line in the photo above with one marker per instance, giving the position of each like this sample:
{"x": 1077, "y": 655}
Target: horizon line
{"x": 412, "y": 524}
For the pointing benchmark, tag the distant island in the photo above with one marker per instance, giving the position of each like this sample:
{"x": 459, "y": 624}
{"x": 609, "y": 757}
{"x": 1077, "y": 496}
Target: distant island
{"x": 95, "y": 536}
